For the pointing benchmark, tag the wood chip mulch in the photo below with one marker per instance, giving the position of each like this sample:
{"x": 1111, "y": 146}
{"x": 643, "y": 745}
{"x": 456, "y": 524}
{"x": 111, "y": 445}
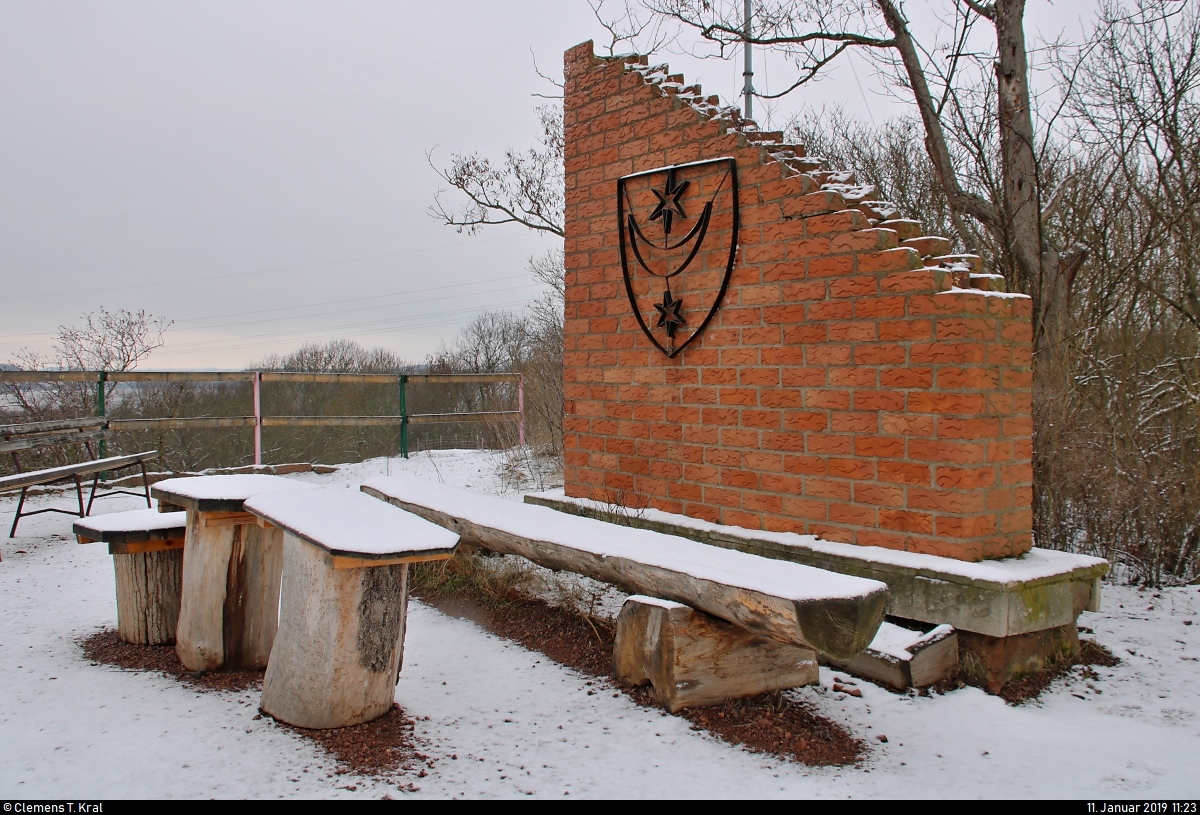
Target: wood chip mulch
{"x": 772, "y": 723}
{"x": 385, "y": 747}
{"x": 107, "y": 648}
{"x": 1028, "y": 688}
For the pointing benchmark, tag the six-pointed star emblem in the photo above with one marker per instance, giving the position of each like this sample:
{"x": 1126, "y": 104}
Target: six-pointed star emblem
{"x": 668, "y": 313}
{"x": 668, "y": 202}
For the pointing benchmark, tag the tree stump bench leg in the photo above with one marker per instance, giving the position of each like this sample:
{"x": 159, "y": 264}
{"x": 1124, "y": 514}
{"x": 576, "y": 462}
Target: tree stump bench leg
{"x": 692, "y": 659}
{"x": 340, "y": 645}
{"x": 230, "y": 607}
{"x": 149, "y": 584}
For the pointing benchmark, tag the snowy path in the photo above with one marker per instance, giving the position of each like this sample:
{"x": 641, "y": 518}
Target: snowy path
{"x": 520, "y": 724}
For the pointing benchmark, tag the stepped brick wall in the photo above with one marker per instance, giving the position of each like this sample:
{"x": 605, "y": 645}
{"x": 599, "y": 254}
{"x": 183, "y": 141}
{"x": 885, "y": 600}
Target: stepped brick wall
{"x": 857, "y": 382}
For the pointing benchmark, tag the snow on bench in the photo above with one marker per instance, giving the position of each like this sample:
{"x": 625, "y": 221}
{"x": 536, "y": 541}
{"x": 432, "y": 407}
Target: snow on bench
{"x": 340, "y": 645}
{"x": 147, "y": 549}
{"x": 353, "y": 528}
{"x": 134, "y": 526}
{"x": 834, "y": 614}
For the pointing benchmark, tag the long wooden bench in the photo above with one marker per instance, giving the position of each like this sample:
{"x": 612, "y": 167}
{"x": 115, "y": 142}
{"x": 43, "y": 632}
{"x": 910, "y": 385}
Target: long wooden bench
{"x": 65, "y": 433}
{"x": 147, "y": 550}
{"x": 715, "y": 624}
{"x": 344, "y": 601}
{"x": 830, "y": 613}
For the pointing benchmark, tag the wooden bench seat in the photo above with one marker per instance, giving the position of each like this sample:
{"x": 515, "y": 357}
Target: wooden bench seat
{"x": 18, "y": 438}
{"x": 344, "y": 601}
{"x": 830, "y": 613}
{"x": 147, "y": 550}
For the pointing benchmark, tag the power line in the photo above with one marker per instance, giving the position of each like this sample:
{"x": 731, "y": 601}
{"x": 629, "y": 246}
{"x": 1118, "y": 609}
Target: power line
{"x": 202, "y": 344}
{"x": 260, "y": 271}
{"x": 369, "y": 308}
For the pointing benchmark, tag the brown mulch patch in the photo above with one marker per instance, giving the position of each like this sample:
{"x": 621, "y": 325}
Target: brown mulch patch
{"x": 384, "y": 746}
{"x": 1028, "y": 688}
{"x": 107, "y": 648}
{"x": 771, "y": 723}
{"x": 380, "y": 747}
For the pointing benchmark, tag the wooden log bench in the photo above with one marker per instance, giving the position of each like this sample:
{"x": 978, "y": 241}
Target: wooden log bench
{"x": 62, "y": 435}
{"x": 147, "y": 550}
{"x": 229, "y": 608}
{"x": 340, "y": 646}
{"x": 807, "y": 609}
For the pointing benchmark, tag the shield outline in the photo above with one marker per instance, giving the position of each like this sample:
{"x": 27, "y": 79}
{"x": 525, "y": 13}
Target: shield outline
{"x": 733, "y": 247}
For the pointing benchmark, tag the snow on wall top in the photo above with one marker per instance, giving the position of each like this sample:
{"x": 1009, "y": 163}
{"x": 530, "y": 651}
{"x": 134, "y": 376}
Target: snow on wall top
{"x": 341, "y": 520}
{"x": 702, "y": 561}
{"x": 792, "y": 157}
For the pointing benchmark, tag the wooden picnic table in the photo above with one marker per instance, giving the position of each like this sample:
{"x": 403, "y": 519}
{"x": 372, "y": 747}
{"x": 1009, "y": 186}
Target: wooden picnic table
{"x": 229, "y": 609}
{"x": 340, "y": 647}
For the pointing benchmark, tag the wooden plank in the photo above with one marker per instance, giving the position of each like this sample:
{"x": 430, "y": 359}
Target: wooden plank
{"x": 49, "y": 376}
{"x": 181, "y": 376}
{"x": 346, "y": 562}
{"x": 461, "y": 379}
{"x": 181, "y": 422}
{"x": 330, "y": 421}
{"x": 142, "y": 547}
{"x": 46, "y": 427}
{"x": 46, "y": 476}
{"x": 443, "y": 418}
{"x": 227, "y": 518}
{"x": 56, "y": 440}
{"x": 839, "y": 626}
{"x": 360, "y": 379}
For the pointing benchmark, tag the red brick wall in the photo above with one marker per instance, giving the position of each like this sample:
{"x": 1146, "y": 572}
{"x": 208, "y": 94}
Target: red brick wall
{"x": 841, "y": 390}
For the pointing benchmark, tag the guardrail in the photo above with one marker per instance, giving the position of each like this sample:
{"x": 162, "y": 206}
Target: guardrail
{"x": 403, "y": 419}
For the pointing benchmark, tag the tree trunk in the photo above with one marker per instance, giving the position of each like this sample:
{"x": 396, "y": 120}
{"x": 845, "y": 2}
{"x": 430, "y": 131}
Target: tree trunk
{"x": 148, "y": 588}
{"x": 341, "y": 640}
{"x": 230, "y": 608}
{"x": 1039, "y": 272}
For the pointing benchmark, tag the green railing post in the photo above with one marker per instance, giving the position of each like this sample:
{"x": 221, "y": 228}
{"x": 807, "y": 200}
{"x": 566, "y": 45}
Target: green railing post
{"x": 101, "y": 381}
{"x": 403, "y": 416}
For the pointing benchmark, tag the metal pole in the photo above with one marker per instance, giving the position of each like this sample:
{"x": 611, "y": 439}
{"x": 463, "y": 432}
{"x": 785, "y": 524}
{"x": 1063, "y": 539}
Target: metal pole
{"x": 101, "y": 381}
{"x": 521, "y": 409}
{"x": 257, "y": 418}
{"x": 748, "y": 70}
{"x": 403, "y": 416}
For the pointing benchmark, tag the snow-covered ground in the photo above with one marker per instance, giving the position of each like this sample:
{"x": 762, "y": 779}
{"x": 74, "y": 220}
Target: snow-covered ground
{"x": 501, "y": 721}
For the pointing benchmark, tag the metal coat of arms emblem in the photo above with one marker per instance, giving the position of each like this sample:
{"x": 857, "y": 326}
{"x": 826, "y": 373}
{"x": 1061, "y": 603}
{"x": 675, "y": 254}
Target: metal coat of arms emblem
{"x": 679, "y": 233}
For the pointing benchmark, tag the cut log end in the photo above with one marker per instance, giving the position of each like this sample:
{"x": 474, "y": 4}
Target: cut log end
{"x": 692, "y": 659}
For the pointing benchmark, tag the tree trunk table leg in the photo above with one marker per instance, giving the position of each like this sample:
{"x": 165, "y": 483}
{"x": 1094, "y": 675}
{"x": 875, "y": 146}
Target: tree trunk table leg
{"x": 230, "y": 607}
{"x": 148, "y": 590}
{"x": 340, "y": 646}
{"x": 692, "y": 659}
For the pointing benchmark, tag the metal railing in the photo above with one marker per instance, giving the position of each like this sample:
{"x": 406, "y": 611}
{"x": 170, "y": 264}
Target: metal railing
{"x": 258, "y": 421}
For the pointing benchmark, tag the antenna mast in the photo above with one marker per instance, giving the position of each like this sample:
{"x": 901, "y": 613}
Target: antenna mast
{"x": 748, "y": 70}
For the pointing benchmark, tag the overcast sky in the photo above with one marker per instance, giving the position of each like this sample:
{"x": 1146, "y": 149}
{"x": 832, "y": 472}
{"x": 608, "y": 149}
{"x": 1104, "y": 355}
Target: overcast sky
{"x": 256, "y": 170}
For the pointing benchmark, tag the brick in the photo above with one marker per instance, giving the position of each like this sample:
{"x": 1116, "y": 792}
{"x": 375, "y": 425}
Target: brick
{"x": 840, "y": 389}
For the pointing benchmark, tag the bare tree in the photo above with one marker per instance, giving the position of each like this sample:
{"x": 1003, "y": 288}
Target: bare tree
{"x": 106, "y": 341}
{"x": 942, "y": 81}
{"x": 526, "y": 188}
